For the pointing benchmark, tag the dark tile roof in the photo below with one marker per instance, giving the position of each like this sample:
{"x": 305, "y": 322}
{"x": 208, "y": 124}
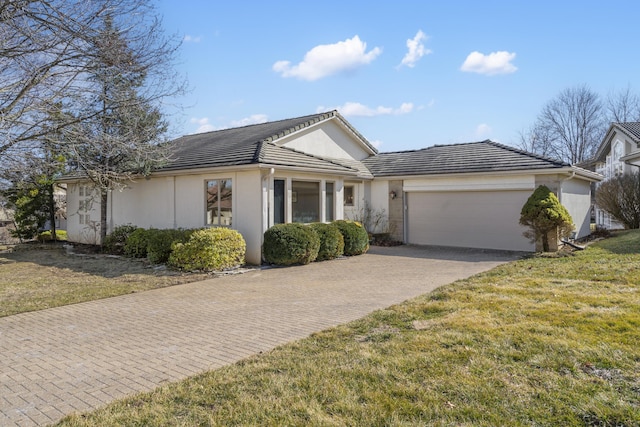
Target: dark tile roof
{"x": 484, "y": 156}
{"x": 631, "y": 128}
{"x": 250, "y": 145}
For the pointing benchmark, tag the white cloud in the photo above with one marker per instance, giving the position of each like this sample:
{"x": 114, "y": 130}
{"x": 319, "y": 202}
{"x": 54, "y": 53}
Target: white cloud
{"x": 329, "y": 59}
{"x": 356, "y": 109}
{"x": 192, "y": 39}
{"x": 416, "y": 50}
{"x": 251, "y": 120}
{"x": 492, "y": 64}
{"x": 205, "y": 126}
{"x": 483, "y": 129}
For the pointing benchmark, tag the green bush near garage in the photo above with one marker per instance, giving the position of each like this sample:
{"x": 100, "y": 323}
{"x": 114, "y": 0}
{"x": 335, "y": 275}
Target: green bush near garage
{"x": 160, "y": 243}
{"x": 331, "y": 241}
{"x": 289, "y": 244}
{"x": 356, "y": 238}
{"x": 209, "y": 249}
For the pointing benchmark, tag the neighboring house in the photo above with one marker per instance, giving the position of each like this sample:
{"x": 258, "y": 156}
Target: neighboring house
{"x": 319, "y": 168}
{"x": 618, "y": 154}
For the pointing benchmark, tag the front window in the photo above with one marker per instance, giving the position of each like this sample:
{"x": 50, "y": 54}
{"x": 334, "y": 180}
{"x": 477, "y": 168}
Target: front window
{"x": 219, "y": 201}
{"x": 305, "y": 201}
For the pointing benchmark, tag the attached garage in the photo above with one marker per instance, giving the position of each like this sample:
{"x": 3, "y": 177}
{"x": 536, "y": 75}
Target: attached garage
{"x": 470, "y": 195}
{"x": 472, "y": 219}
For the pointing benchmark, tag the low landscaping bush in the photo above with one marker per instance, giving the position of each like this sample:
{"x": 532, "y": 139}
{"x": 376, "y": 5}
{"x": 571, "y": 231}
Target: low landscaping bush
{"x": 115, "y": 241}
{"x": 210, "y": 249}
{"x": 356, "y": 238}
{"x": 331, "y": 241}
{"x": 45, "y": 236}
{"x": 136, "y": 244}
{"x": 160, "y": 242}
{"x": 288, "y": 244}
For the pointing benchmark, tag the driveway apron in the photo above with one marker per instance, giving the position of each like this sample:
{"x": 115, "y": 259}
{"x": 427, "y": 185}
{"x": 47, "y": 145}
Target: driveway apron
{"x": 80, "y": 357}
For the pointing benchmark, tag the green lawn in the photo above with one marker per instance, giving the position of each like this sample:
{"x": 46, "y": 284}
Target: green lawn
{"x": 542, "y": 341}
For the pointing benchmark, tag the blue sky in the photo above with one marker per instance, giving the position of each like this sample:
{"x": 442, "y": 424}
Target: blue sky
{"x": 406, "y": 74}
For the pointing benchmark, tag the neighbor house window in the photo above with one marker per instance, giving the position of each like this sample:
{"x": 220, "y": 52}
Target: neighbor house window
{"x": 219, "y": 197}
{"x": 328, "y": 204}
{"x": 348, "y": 195}
{"x": 305, "y": 201}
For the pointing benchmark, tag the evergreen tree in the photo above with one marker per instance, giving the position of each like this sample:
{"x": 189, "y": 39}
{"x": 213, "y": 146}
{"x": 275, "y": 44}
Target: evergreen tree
{"x": 544, "y": 213}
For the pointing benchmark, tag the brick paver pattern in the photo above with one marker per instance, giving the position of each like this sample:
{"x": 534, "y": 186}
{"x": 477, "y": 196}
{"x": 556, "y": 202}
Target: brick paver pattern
{"x": 79, "y": 357}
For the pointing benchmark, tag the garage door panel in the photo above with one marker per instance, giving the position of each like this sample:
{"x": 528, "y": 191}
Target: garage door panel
{"x": 486, "y": 219}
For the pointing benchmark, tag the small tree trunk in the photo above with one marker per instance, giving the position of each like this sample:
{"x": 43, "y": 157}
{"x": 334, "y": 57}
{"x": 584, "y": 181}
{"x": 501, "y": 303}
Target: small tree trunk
{"x": 52, "y": 213}
{"x": 545, "y": 242}
{"x": 103, "y": 215}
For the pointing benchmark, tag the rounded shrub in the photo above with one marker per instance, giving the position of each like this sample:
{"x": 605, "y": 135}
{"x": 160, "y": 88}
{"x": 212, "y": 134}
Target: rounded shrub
{"x": 356, "y": 238}
{"x": 115, "y": 241}
{"x": 136, "y": 243}
{"x": 209, "y": 249}
{"x": 160, "y": 243}
{"x": 331, "y": 241}
{"x": 288, "y": 244}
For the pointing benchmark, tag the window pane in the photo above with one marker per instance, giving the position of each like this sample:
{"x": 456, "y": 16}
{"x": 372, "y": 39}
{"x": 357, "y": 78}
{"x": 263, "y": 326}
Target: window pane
{"x": 278, "y": 201}
{"x": 348, "y": 195}
{"x": 305, "y": 201}
{"x": 219, "y": 201}
{"x": 328, "y": 215}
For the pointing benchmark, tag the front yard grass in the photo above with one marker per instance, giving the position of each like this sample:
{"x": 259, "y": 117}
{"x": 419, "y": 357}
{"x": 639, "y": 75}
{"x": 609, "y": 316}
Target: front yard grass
{"x": 45, "y": 276}
{"x": 541, "y": 341}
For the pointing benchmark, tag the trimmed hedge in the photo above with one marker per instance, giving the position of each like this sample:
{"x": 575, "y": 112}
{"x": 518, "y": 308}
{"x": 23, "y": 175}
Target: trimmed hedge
{"x": 136, "y": 244}
{"x": 288, "y": 244}
{"x": 160, "y": 243}
{"x": 115, "y": 241}
{"x": 356, "y": 238}
{"x": 331, "y": 241}
{"x": 208, "y": 250}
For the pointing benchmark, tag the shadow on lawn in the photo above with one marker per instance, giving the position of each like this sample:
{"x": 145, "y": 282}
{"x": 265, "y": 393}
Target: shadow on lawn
{"x": 87, "y": 260}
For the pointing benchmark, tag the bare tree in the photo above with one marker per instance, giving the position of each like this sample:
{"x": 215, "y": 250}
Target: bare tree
{"x": 620, "y": 197}
{"x": 569, "y": 127}
{"x": 537, "y": 140}
{"x": 623, "y": 106}
{"x": 46, "y": 50}
{"x": 105, "y": 70}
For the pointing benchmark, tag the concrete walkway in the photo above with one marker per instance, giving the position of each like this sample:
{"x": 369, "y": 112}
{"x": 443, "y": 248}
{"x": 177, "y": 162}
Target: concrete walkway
{"x": 83, "y": 356}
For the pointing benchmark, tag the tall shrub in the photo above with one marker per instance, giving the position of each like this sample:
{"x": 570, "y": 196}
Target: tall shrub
{"x": 288, "y": 244}
{"x": 331, "y": 241}
{"x": 356, "y": 238}
{"x": 544, "y": 213}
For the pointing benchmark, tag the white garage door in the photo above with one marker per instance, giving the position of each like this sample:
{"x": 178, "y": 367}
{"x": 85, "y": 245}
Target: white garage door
{"x": 472, "y": 219}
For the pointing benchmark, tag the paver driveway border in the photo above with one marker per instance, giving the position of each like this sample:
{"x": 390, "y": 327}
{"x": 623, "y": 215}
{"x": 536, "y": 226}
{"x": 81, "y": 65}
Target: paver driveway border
{"x": 83, "y": 356}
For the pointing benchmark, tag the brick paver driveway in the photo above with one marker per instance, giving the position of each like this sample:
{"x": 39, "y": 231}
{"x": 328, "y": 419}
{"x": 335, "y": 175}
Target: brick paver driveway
{"x": 79, "y": 357}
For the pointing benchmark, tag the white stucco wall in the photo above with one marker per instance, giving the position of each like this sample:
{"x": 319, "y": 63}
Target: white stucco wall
{"x": 575, "y": 195}
{"x": 88, "y": 233}
{"x": 328, "y": 140}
